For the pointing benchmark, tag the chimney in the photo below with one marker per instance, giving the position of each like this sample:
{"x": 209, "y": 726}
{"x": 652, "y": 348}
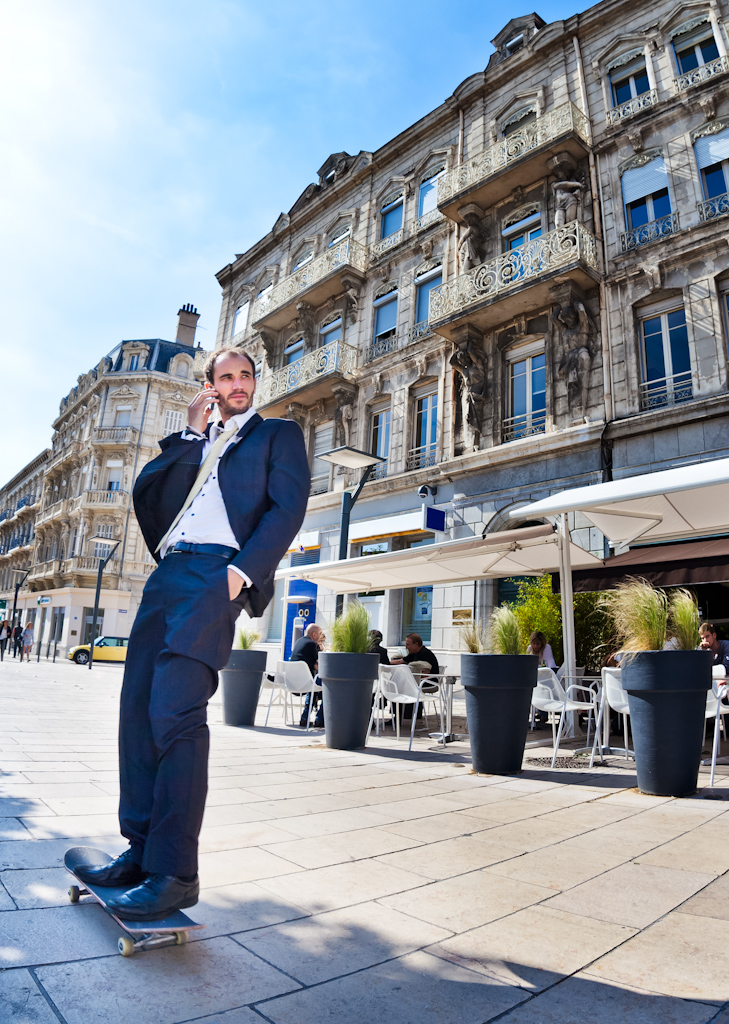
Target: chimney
{"x": 188, "y": 317}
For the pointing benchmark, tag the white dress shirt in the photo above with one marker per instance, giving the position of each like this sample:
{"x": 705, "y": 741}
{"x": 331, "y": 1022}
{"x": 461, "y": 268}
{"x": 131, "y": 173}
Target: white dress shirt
{"x": 206, "y": 520}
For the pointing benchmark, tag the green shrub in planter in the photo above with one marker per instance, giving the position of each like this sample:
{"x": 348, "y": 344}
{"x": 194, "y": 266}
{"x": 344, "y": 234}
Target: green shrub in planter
{"x": 241, "y": 679}
{"x": 347, "y": 675}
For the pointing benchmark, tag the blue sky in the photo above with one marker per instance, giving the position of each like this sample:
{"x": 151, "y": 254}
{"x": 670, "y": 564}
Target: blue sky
{"x": 145, "y": 143}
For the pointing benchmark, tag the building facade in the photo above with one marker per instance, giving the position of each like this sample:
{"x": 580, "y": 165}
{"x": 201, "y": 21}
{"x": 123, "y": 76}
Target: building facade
{"x": 526, "y": 290}
{"x": 20, "y": 500}
{"x": 78, "y": 493}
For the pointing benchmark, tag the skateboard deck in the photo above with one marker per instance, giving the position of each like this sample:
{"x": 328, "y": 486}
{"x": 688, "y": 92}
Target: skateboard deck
{"x": 167, "y": 931}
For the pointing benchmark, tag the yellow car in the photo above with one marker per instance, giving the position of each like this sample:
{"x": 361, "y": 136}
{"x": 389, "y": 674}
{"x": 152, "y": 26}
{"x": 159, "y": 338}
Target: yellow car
{"x": 106, "y": 648}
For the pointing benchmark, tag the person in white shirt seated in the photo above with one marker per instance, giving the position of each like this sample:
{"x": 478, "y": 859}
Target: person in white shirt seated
{"x": 538, "y": 645}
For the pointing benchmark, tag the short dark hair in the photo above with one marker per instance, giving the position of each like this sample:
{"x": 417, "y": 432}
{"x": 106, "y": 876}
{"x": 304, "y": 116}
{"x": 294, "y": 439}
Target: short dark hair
{"x": 414, "y": 636}
{"x": 708, "y": 627}
{"x": 231, "y": 350}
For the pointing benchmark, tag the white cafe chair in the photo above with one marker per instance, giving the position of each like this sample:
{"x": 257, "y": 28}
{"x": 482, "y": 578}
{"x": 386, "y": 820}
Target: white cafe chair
{"x": 615, "y": 697}
{"x": 549, "y": 695}
{"x": 292, "y": 678}
{"x": 714, "y": 700}
{"x": 397, "y": 685}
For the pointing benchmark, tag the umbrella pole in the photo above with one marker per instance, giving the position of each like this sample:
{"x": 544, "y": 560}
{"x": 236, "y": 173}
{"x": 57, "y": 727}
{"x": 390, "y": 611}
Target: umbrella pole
{"x": 568, "y": 618}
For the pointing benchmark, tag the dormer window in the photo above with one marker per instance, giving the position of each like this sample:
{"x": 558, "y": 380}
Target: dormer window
{"x": 515, "y": 44}
{"x": 265, "y": 293}
{"x": 305, "y": 257}
{"x": 134, "y": 362}
{"x": 695, "y": 48}
{"x": 329, "y": 176}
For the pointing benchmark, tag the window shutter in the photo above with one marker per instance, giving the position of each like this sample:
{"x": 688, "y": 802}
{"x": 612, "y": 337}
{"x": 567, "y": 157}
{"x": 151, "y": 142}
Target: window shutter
{"x": 644, "y": 181}
{"x": 173, "y": 422}
{"x": 712, "y": 148}
{"x": 386, "y": 317}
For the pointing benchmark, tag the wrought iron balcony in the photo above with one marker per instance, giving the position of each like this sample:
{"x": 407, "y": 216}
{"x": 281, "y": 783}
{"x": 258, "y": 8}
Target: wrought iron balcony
{"x": 393, "y": 342}
{"x": 319, "y": 280}
{"x": 419, "y": 458}
{"x": 5, "y": 514}
{"x": 380, "y": 471}
{"x": 432, "y": 217}
{"x": 494, "y": 291}
{"x": 524, "y": 154}
{"x": 514, "y": 427}
{"x": 632, "y": 106}
{"x": 704, "y": 73}
{"x": 115, "y": 435}
{"x": 666, "y": 391}
{"x": 28, "y": 499}
{"x": 385, "y": 244}
{"x": 649, "y": 232}
{"x": 710, "y": 209}
{"x": 311, "y": 375}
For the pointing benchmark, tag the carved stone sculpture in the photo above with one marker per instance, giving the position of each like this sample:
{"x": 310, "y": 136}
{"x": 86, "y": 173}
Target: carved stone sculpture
{"x": 469, "y": 360}
{"x": 471, "y": 245}
{"x": 307, "y": 323}
{"x": 351, "y": 299}
{"x": 566, "y": 201}
{"x": 269, "y": 346}
{"x": 344, "y": 413}
{"x": 577, "y": 330}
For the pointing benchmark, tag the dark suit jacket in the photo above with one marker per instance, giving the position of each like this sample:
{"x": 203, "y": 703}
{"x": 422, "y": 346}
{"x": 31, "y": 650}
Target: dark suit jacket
{"x": 264, "y": 479}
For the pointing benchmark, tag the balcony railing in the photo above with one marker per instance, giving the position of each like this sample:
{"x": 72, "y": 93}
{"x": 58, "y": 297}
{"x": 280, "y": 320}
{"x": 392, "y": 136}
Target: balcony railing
{"x": 632, "y": 106}
{"x": 385, "y": 244}
{"x": 104, "y": 497}
{"x": 139, "y": 568}
{"x": 379, "y": 472}
{"x": 319, "y": 485}
{"x": 89, "y": 563}
{"x": 5, "y": 514}
{"x": 432, "y": 217}
{"x": 551, "y": 125}
{"x": 336, "y": 357}
{"x": 525, "y": 425}
{"x": 29, "y": 499}
{"x": 649, "y": 232}
{"x": 345, "y": 253}
{"x": 419, "y": 458}
{"x": 115, "y": 435}
{"x": 528, "y": 263}
{"x": 392, "y": 342}
{"x": 666, "y": 391}
{"x": 712, "y": 208}
{"x": 701, "y": 74}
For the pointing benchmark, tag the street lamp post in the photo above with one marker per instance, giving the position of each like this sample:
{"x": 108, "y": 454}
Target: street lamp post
{"x": 352, "y": 458}
{"x": 102, "y": 566}
{"x": 18, "y": 585}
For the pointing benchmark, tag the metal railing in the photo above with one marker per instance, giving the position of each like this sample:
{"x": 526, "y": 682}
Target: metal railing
{"x": 529, "y": 262}
{"x": 336, "y": 357}
{"x": 345, "y": 253}
{"x": 514, "y": 427}
{"x": 5, "y": 514}
{"x": 649, "y": 232}
{"x": 29, "y": 499}
{"x": 385, "y": 244}
{"x": 380, "y": 471}
{"x": 666, "y": 391}
{"x": 115, "y": 435}
{"x": 419, "y": 458}
{"x": 540, "y": 132}
{"x": 382, "y": 346}
{"x": 632, "y": 106}
{"x": 709, "y": 209}
{"x": 319, "y": 485}
{"x": 432, "y": 217}
{"x": 701, "y": 74}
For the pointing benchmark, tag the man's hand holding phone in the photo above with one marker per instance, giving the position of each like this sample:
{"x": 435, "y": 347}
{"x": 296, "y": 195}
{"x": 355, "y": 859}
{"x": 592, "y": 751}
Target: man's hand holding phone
{"x": 201, "y": 407}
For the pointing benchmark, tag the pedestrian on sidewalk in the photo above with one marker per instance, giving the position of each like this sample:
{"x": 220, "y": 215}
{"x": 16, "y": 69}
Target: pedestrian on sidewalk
{"x": 17, "y": 638}
{"x": 5, "y": 633}
{"x": 27, "y": 640}
{"x": 218, "y": 510}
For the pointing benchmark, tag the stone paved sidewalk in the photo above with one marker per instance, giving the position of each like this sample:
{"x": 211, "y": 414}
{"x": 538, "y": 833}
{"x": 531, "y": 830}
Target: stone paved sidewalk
{"x": 359, "y": 887}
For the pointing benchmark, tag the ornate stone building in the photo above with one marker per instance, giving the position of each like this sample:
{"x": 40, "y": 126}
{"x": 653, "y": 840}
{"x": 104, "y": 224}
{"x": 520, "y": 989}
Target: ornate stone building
{"x": 525, "y": 290}
{"x": 20, "y": 500}
{"x": 108, "y": 427}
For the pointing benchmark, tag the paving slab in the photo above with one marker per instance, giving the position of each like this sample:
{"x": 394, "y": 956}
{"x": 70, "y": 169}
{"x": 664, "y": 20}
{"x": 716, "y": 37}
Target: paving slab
{"x": 585, "y": 1000}
{"x": 229, "y": 909}
{"x": 440, "y": 826}
{"x": 48, "y": 853}
{"x": 342, "y": 885}
{"x": 706, "y": 848}
{"x": 197, "y": 979}
{"x": 341, "y": 847}
{"x": 452, "y": 856}
{"x": 36, "y": 887}
{"x": 559, "y": 866}
{"x": 21, "y": 1001}
{"x": 681, "y": 956}
{"x": 417, "y": 989}
{"x": 55, "y": 935}
{"x": 713, "y": 901}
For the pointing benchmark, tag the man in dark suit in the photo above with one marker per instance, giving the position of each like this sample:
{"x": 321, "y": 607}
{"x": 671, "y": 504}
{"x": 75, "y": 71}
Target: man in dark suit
{"x": 219, "y": 508}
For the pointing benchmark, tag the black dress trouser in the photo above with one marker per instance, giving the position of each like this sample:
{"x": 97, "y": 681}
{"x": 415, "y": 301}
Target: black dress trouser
{"x": 182, "y": 636}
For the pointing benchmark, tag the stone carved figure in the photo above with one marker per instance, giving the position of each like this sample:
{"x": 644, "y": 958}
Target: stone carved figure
{"x": 351, "y": 299}
{"x": 470, "y": 247}
{"x": 469, "y": 360}
{"x": 577, "y": 331}
{"x": 344, "y": 414}
{"x": 307, "y": 323}
{"x": 567, "y": 196}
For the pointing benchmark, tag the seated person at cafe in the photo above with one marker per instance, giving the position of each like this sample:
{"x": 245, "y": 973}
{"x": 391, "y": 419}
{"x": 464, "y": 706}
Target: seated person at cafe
{"x": 538, "y": 645}
{"x": 377, "y": 648}
{"x": 710, "y": 642}
{"x": 417, "y": 651}
{"x": 307, "y": 649}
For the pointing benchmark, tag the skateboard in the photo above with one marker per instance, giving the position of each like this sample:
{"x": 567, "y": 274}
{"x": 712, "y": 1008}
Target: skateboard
{"x": 168, "y": 931}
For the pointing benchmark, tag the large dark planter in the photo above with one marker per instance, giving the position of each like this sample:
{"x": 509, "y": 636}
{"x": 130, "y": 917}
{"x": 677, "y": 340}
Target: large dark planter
{"x": 667, "y": 698}
{"x": 241, "y": 681}
{"x": 498, "y": 695}
{"x": 347, "y": 691}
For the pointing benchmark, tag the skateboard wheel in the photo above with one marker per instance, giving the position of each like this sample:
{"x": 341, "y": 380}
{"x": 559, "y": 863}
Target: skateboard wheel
{"x": 126, "y": 946}
{"x": 180, "y": 938}
{"x": 73, "y": 893}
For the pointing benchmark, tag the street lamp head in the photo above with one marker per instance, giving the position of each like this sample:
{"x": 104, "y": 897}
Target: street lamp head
{"x": 351, "y": 458}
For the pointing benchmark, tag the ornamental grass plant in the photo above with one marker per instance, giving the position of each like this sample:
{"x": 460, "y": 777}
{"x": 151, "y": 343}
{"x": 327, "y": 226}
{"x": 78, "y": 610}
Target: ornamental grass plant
{"x": 473, "y": 637}
{"x": 683, "y": 618}
{"x": 640, "y": 615}
{"x": 245, "y": 639}
{"x": 504, "y": 635}
{"x": 351, "y": 631}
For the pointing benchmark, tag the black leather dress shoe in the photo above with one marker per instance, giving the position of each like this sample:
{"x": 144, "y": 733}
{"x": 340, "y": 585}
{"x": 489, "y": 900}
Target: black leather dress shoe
{"x": 157, "y": 897}
{"x": 123, "y": 870}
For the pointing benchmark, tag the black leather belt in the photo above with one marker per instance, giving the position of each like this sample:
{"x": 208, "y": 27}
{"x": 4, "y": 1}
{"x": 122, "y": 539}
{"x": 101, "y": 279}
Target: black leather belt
{"x": 182, "y": 547}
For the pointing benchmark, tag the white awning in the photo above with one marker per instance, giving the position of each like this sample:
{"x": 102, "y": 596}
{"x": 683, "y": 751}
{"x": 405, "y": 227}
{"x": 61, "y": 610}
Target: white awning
{"x": 531, "y": 551}
{"x": 674, "y": 504}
